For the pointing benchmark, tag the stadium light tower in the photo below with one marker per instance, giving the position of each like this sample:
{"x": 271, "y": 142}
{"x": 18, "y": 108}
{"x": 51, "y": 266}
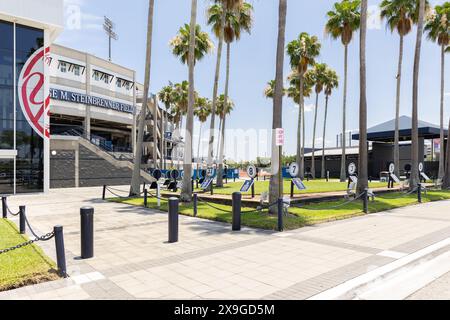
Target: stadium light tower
{"x": 109, "y": 27}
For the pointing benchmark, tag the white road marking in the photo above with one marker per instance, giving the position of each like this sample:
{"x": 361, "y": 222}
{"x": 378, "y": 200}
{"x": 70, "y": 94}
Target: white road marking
{"x": 351, "y": 285}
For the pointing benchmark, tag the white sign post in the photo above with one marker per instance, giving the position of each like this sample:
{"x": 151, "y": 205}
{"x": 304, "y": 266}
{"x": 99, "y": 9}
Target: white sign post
{"x": 279, "y": 142}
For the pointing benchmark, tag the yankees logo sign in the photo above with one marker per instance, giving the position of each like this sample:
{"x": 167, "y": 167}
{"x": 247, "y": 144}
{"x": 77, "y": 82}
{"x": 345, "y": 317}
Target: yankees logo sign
{"x": 34, "y": 101}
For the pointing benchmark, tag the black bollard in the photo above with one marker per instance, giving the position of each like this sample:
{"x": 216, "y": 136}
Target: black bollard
{"x": 419, "y": 192}
{"x": 292, "y": 189}
{"x": 60, "y": 251}
{"x": 237, "y": 205}
{"x": 145, "y": 198}
{"x": 195, "y": 205}
{"x": 212, "y": 188}
{"x": 192, "y": 184}
{"x": 144, "y": 187}
{"x": 196, "y": 183}
{"x": 4, "y": 208}
{"x": 253, "y": 191}
{"x": 22, "y": 218}
{"x": 280, "y": 214}
{"x": 366, "y": 201}
{"x": 173, "y": 220}
{"x": 87, "y": 232}
{"x": 104, "y": 192}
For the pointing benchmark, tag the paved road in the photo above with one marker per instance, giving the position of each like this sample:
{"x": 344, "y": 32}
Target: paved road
{"x": 134, "y": 261}
{"x": 437, "y": 290}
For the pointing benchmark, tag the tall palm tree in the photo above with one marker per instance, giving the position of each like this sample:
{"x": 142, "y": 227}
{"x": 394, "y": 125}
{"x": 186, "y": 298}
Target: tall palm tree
{"x": 331, "y": 82}
{"x": 341, "y": 24}
{"x": 190, "y": 45}
{"x": 180, "y": 98}
{"x": 363, "y": 182}
{"x": 276, "y": 181}
{"x": 136, "y": 178}
{"x": 414, "y": 180}
{"x": 237, "y": 21}
{"x": 302, "y": 52}
{"x": 438, "y": 29}
{"x": 317, "y": 77}
{"x": 400, "y": 16}
{"x": 202, "y": 112}
{"x": 216, "y": 18}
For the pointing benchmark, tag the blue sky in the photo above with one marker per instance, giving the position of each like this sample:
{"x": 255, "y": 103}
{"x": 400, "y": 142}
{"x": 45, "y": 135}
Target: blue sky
{"x": 253, "y": 60}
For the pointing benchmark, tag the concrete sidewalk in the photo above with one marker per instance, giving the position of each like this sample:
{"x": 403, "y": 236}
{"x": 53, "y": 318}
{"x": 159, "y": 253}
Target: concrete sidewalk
{"x": 134, "y": 261}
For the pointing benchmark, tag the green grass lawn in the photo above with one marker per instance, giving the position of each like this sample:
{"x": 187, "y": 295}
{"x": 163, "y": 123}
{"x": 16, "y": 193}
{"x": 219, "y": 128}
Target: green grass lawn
{"x": 24, "y": 266}
{"x": 313, "y": 186}
{"x": 299, "y": 217}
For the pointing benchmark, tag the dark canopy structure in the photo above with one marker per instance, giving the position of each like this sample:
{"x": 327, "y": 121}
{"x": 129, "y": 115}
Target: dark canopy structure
{"x": 385, "y": 132}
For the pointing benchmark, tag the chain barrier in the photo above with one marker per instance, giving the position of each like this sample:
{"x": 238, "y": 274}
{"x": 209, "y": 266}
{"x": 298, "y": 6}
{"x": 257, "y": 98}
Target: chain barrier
{"x": 10, "y": 212}
{"x": 332, "y": 207}
{"x": 156, "y": 197}
{"x": 114, "y": 191}
{"x": 44, "y": 238}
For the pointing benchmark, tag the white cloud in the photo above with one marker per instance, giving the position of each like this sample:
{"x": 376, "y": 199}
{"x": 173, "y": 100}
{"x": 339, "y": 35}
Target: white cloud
{"x": 373, "y": 18}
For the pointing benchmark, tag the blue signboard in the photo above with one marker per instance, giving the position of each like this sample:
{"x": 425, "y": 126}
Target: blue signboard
{"x": 207, "y": 183}
{"x": 247, "y": 185}
{"x": 299, "y": 184}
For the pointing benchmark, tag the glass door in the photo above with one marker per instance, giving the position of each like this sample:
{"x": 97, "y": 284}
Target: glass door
{"x": 6, "y": 176}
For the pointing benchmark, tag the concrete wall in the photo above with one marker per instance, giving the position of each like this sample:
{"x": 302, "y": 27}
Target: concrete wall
{"x": 72, "y": 165}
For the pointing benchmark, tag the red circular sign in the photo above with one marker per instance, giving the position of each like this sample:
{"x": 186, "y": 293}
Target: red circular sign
{"x": 35, "y": 107}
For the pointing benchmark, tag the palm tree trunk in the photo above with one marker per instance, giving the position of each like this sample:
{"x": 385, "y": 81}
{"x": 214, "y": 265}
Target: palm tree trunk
{"x": 363, "y": 182}
{"x": 313, "y": 159}
{"x": 442, "y": 137}
{"x": 136, "y": 179}
{"x": 300, "y": 161}
{"x": 303, "y": 139}
{"x": 446, "y": 180}
{"x": 219, "y": 138}
{"x": 415, "y": 109}
{"x": 186, "y": 192}
{"x": 222, "y": 135}
{"x": 215, "y": 93}
{"x": 323, "y": 175}
{"x": 344, "y": 119}
{"x": 397, "y": 111}
{"x": 276, "y": 181}
{"x": 199, "y": 143}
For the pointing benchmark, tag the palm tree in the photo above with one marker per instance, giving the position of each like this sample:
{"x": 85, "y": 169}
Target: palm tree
{"x": 331, "y": 82}
{"x": 216, "y": 18}
{"x": 414, "y": 180}
{"x": 342, "y": 23}
{"x": 400, "y": 16}
{"x": 317, "y": 77}
{"x": 166, "y": 96}
{"x": 135, "y": 189}
{"x": 180, "y": 44}
{"x": 202, "y": 112}
{"x": 190, "y": 45}
{"x": 180, "y": 98}
{"x": 363, "y": 182}
{"x": 276, "y": 181}
{"x": 237, "y": 21}
{"x": 302, "y": 52}
{"x": 438, "y": 29}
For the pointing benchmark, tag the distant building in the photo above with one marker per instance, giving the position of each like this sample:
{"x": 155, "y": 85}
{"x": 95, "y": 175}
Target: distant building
{"x": 381, "y": 149}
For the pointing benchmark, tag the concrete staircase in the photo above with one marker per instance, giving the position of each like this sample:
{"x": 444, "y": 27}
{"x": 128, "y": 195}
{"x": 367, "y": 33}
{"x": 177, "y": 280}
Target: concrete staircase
{"x": 112, "y": 160}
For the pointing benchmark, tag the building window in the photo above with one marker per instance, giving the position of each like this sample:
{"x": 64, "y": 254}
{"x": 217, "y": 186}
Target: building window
{"x": 76, "y": 70}
{"x": 119, "y": 83}
{"x": 96, "y": 76}
{"x": 63, "y": 67}
{"x": 106, "y": 79}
